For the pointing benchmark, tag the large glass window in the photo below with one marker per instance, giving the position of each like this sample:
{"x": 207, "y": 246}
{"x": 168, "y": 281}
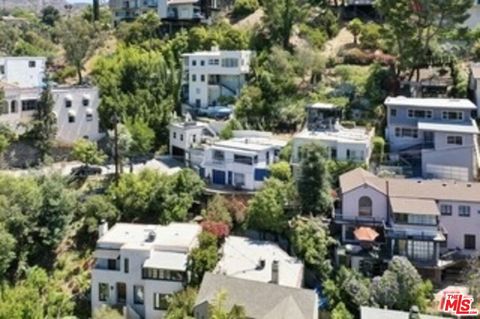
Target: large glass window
{"x": 470, "y": 241}
{"x": 420, "y": 250}
{"x": 218, "y": 156}
{"x": 138, "y": 295}
{"x": 29, "y": 105}
{"x": 163, "y": 274}
{"x": 406, "y": 132}
{"x": 229, "y": 63}
{"x": 455, "y": 140}
{"x": 160, "y": 301}
{"x": 103, "y": 291}
{"x": 242, "y": 159}
{"x": 420, "y": 114}
{"x": 452, "y": 115}
{"x": 365, "y": 206}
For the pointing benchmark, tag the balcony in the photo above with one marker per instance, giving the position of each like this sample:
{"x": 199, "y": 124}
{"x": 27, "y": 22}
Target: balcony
{"x": 358, "y": 220}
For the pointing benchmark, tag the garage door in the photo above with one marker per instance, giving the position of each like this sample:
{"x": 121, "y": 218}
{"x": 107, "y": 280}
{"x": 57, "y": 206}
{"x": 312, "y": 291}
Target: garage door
{"x": 218, "y": 177}
{"x": 176, "y": 151}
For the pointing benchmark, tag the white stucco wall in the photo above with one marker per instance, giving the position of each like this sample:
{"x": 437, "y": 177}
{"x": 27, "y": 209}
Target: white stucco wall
{"x": 350, "y": 200}
{"x": 19, "y": 72}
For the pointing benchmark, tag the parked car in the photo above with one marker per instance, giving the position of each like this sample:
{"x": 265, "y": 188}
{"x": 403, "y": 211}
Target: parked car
{"x": 216, "y": 112}
{"x": 84, "y": 171}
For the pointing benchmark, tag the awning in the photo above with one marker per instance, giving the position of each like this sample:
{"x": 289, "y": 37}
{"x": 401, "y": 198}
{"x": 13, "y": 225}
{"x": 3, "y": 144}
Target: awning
{"x": 88, "y": 110}
{"x": 72, "y": 113}
{"x": 365, "y": 234}
{"x": 414, "y": 206}
{"x": 106, "y": 254}
{"x": 166, "y": 260}
{"x": 68, "y": 97}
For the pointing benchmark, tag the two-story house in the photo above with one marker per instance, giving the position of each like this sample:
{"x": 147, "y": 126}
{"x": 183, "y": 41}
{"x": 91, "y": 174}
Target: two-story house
{"x": 242, "y": 163}
{"x": 75, "y": 109}
{"x": 169, "y": 11}
{"x": 210, "y": 75}
{"x": 323, "y": 128}
{"x": 185, "y": 136}
{"x": 424, "y": 220}
{"x": 437, "y": 135}
{"x": 137, "y": 267}
{"x": 22, "y": 72}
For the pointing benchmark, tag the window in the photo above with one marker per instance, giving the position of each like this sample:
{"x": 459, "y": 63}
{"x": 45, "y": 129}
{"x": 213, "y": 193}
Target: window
{"x": 85, "y": 102}
{"x": 242, "y": 159}
{"x": 29, "y": 105}
{"x": 68, "y": 103}
{"x": 446, "y": 210}
{"x": 174, "y": 134}
{"x": 181, "y": 137}
{"x": 163, "y": 274}
{"x": 452, "y": 115}
{"x": 393, "y": 112}
{"x": 469, "y": 241}
{"x": 126, "y": 265}
{"x": 351, "y": 154}
{"x": 194, "y": 62}
{"x": 194, "y": 138}
{"x": 160, "y": 301}
{"x": 71, "y": 119}
{"x": 32, "y": 64}
{"x": 89, "y": 117}
{"x": 138, "y": 295}
{"x": 218, "y": 156}
{"x": 103, "y": 292}
{"x": 229, "y": 63}
{"x": 365, "y": 206}
{"x": 13, "y": 107}
{"x": 202, "y": 77}
{"x": 194, "y": 77}
{"x": 406, "y": 132}
{"x": 455, "y": 140}
{"x": 464, "y": 210}
{"x": 112, "y": 264}
{"x": 213, "y": 61}
{"x": 4, "y": 107}
{"x": 420, "y": 114}
{"x": 268, "y": 158}
{"x": 2, "y": 69}
{"x": 202, "y": 62}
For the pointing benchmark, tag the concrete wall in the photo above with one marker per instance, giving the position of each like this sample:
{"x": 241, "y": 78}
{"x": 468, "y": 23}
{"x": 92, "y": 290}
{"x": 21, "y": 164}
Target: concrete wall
{"x": 350, "y": 200}
{"x": 18, "y": 72}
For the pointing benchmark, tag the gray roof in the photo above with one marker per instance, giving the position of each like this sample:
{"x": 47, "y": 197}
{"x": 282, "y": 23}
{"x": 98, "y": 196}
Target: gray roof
{"x": 376, "y": 313}
{"x": 430, "y": 102}
{"x": 260, "y": 300}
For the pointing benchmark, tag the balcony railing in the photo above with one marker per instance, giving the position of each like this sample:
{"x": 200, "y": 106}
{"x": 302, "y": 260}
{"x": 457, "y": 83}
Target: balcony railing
{"x": 358, "y": 220}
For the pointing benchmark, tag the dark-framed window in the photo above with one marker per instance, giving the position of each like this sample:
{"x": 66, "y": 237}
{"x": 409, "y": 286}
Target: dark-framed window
{"x": 126, "y": 265}
{"x": 393, "y": 112}
{"x": 85, "y": 102}
{"x": 32, "y": 64}
{"x": 464, "y": 210}
{"x": 138, "y": 295}
{"x": 163, "y": 274}
{"x": 29, "y": 105}
{"x": 365, "y": 206}
{"x": 470, "y": 241}
{"x": 71, "y": 119}
{"x": 103, "y": 291}
{"x": 160, "y": 301}
{"x": 68, "y": 103}
{"x": 446, "y": 210}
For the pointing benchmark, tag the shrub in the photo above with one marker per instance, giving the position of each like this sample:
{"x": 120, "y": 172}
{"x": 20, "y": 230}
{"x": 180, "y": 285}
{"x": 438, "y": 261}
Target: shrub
{"x": 315, "y": 36}
{"x": 378, "y": 148}
{"x": 370, "y": 36}
{"x": 243, "y": 8}
{"x": 357, "y": 56}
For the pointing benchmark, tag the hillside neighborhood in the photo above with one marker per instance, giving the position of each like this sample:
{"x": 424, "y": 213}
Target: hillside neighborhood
{"x": 240, "y": 159}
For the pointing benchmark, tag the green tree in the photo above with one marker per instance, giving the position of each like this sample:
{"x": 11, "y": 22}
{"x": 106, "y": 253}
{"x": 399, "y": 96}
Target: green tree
{"x": 50, "y": 15}
{"x": 217, "y": 211}
{"x": 217, "y": 308}
{"x": 142, "y": 30}
{"x": 378, "y": 148}
{"x": 413, "y": 29}
{"x": 266, "y": 210}
{"x": 143, "y": 137}
{"x": 88, "y": 153}
{"x": 370, "y": 35}
{"x": 355, "y": 27}
{"x": 242, "y": 8}
{"x": 95, "y": 209}
{"x": 281, "y": 171}
{"x": 311, "y": 242}
{"x": 77, "y": 39}
{"x": 44, "y": 126}
{"x": 203, "y": 258}
{"x": 7, "y": 250}
{"x": 181, "y": 304}
{"x": 341, "y": 312}
{"x": 314, "y": 181}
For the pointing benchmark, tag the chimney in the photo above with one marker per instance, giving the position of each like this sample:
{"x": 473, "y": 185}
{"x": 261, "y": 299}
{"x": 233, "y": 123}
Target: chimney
{"x": 102, "y": 228}
{"x": 275, "y": 272}
{"x": 414, "y": 313}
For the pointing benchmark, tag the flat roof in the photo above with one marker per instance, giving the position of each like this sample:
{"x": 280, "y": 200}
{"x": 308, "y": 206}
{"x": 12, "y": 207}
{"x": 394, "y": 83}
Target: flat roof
{"x": 174, "y": 236}
{"x": 241, "y": 259}
{"x": 430, "y": 102}
{"x": 471, "y": 128}
{"x": 242, "y": 144}
{"x": 215, "y": 52}
{"x": 166, "y": 260}
{"x": 414, "y": 206}
{"x": 358, "y": 135}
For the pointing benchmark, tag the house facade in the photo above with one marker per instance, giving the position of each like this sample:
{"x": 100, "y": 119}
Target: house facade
{"x": 22, "y": 72}
{"x": 167, "y": 10}
{"x": 241, "y": 163}
{"x": 341, "y": 143}
{"x": 428, "y": 221}
{"x": 438, "y": 135}
{"x": 185, "y": 136}
{"x": 210, "y": 75}
{"x": 75, "y": 109}
{"x": 137, "y": 267}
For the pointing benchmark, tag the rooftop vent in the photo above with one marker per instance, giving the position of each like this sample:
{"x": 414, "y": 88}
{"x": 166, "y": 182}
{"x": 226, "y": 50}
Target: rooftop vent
{"x": 469, "y": 185}
{"x": 150, "y": 236}
{"x": 444, "y": 184}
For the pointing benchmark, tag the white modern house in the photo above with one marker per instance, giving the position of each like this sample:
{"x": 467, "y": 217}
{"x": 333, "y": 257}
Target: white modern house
{"x": 323, "y": 128}
{"x": 437, "y": 134}
{"x": 259, "y": 260}
{"x": 167, "y": 10}
{"x": 22, "y": 72}
{"x": 76, "y": 110}
{"x": 242, "y": 162}
{"x": 184, "y": 136}
{"x": 428, "y": 221}
{"x": 209, "y": 75}
{"x": 138, "y": 266}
